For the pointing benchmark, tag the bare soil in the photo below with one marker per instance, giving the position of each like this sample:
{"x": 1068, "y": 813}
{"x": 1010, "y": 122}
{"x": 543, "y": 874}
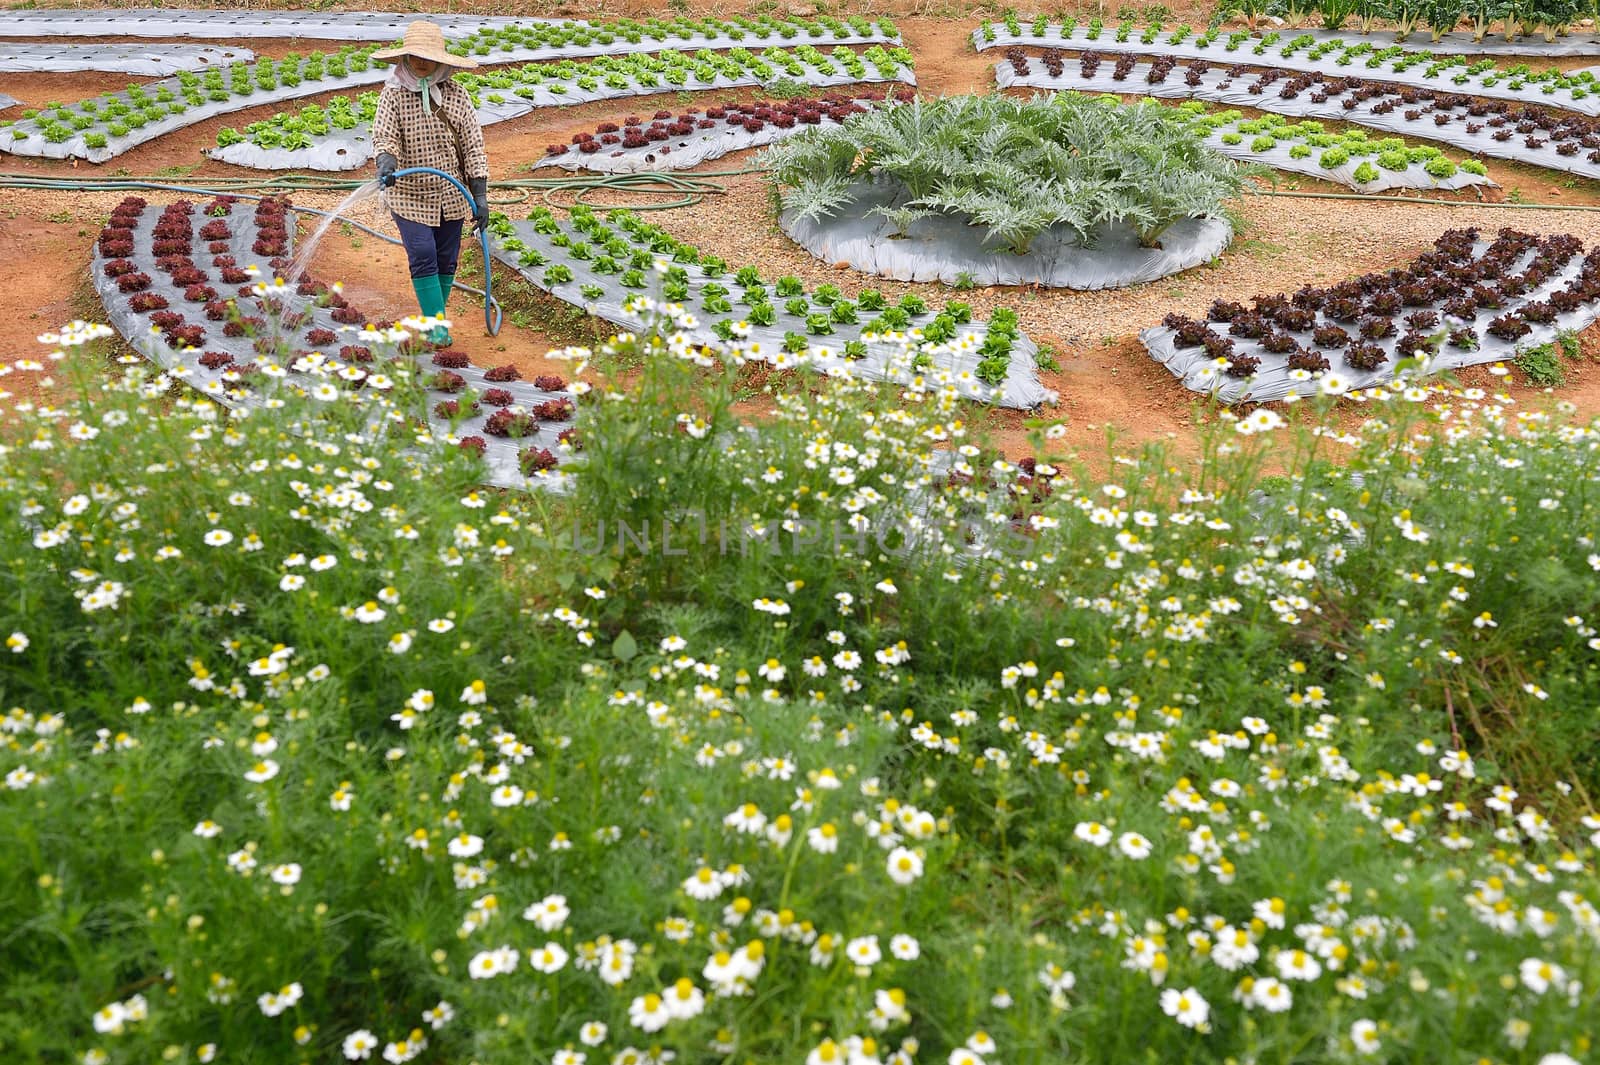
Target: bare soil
{"x": 1106, "y": 382}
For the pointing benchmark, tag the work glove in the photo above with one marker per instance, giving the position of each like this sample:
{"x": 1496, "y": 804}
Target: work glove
{"x": 480, "y": 202}
{"x": 387, "y": 165}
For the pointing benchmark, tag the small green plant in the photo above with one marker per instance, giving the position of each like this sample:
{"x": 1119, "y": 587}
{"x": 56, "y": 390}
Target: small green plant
{"x": 1542, "y": 365}
{"x": 1570, "y": 343}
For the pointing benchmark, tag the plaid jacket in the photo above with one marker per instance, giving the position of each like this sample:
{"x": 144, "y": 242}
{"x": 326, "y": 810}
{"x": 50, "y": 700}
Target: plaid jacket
{"x": 416, "y": 138}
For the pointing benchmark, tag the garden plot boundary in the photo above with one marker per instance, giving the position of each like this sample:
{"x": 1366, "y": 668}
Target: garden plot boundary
{"x": 1217, "y": 86}
{"x": 156, "y": 61}
{"x": 1198, "y": 371}
{"x": 348, "y": 149}
{"x": 501, "y": 454}
{"x": 947, "y": 248}
{"x": 1020, "y": 389}
{"x": 1573, "y": 45}
{"x": 1583, "y": 98}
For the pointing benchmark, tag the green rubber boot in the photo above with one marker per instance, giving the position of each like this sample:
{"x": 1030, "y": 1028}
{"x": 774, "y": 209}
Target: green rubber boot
{"x": 431, "y": 301}
{"x": 447, "y": 283}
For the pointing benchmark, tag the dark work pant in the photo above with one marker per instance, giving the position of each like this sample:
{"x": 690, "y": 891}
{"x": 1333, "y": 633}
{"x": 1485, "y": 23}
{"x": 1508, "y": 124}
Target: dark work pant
{"x": 432, "y": 250}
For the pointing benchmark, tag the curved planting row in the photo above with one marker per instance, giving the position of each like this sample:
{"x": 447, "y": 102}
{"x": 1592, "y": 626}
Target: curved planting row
{"x": 564, "y": 40}
{"x": 1440, "y": 18}
{"x": 1467, "y": 302}
{"x": 145, "y": 60}
{"x": 611, "y": 36}
{"x": 182, "y": 285}
{"x": 1559, "y": 141}
{"x": 337, "y": 136}
{"x": 105, "y": 126}
{"x": 1303, "y": 53}
{"x": 609, "y": 266}
{"x": 1349, "y": 157}
{"x": 677, "y": 141}
{"x": 229, "y": 23}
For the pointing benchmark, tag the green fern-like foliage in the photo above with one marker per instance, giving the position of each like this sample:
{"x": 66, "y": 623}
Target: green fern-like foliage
{"x": 1015, "y": 168}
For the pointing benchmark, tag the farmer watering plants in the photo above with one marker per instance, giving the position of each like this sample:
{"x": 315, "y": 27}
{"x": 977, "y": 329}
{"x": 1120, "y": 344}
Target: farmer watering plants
{"x": 425, "y": 120}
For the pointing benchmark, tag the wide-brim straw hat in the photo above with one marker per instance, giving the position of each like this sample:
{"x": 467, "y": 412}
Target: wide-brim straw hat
{"x": 425, "y": 40}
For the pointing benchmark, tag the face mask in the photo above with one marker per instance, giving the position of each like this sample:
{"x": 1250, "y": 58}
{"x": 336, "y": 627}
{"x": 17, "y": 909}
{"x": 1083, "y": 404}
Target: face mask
{"x": 406, "y": 78}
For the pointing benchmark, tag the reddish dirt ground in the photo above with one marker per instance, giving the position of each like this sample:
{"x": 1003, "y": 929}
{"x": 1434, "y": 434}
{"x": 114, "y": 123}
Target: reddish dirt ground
{"x": 1105, "y": 381}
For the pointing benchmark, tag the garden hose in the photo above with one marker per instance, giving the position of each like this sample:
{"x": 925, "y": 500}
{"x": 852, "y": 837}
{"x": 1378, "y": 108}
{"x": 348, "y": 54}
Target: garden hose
{"x": 492, "y": 315}
{"x": 688, "y": 191}
{"x": 1420, "y": 199}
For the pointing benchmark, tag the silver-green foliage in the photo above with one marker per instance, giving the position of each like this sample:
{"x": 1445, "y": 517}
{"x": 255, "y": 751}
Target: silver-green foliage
{"x": 1015, "y": 167}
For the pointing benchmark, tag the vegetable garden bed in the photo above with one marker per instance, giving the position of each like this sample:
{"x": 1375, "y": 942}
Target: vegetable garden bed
{"x": 146, "y": 60}
{"x": 1065, "y": 191}
{"x": 1065, "y": 33}
{"x": 1349, "y": 157}
{"x": 238, "y": 340}
{"x": 1303, "y": 53}
{"x": 231, "y": 24}
{"x": 337, "y": 136}
{"x": 1467, "y": 302}
{"x": 679, "y": 141}
{"x": 626, "y": 33}
{"x": 528, "y": 41}
{"x": 104, "y": 127}
{"x": 1558, "y": 141}
{"x": 611, "y": 267}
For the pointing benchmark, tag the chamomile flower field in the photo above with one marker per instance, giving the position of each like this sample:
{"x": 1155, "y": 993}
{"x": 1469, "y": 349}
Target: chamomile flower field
{"x": 965, "y": 536}
{"x": 838, "y": 738}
